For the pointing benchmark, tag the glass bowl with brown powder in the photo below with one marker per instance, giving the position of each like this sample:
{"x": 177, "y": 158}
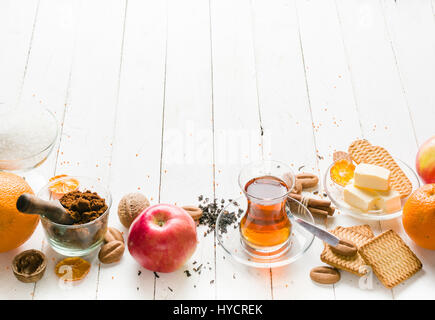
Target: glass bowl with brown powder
{"x": 89, "y": 207}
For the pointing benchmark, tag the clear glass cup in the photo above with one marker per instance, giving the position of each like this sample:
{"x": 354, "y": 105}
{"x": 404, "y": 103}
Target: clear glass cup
{"x": 81, "y": 239}
{"x": 265, "y": 226}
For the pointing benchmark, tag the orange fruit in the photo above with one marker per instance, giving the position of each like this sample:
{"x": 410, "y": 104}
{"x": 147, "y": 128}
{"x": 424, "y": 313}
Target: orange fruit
{"x": 342, "y": 172}
{"x": 60, "y": 176}
{"x": 15, "y": 227}
{"x": 72, "y": 269}
{"x": 419, "y": 216}
{"x": 61, "y": 185}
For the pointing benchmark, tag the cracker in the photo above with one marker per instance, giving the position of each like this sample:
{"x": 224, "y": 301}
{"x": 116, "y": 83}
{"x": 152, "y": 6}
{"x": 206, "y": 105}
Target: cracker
{"x": 339, "y": 155}
{"x": 391, "y": 259}
{"x": 353, "y": 264}
{"x": 358, "y": 149}
{"x": 362, "y": 151}
{"x": 365, "y": 230}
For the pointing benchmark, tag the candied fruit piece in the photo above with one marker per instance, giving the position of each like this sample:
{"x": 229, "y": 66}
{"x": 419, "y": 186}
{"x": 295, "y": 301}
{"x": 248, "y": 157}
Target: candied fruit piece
{"x": 61, "y": 185}
{"x": 72, "y": 269}
{"x": 342, "y": 172}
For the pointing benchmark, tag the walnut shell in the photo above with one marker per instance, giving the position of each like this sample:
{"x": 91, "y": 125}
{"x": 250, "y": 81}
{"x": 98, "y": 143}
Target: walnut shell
{"x": 130, "y": 206}
{"x": 29, "y": 266}
{"x": 111, "y": 252}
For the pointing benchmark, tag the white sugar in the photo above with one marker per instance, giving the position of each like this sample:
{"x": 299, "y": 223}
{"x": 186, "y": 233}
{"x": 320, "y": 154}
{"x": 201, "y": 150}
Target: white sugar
{"x": 25, "y": 133}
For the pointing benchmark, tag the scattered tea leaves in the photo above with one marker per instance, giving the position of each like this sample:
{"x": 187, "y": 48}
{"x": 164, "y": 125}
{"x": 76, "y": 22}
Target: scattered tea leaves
{"x": 211, "y": 211}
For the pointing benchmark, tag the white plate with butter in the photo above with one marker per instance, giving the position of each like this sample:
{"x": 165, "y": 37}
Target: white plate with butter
{"x": 335, "y": 193}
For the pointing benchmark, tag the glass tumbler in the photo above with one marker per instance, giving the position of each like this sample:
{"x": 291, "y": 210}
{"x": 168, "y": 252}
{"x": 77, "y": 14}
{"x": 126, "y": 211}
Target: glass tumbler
{"x": 80, "y": 239}
{"x": 265, "y": 227}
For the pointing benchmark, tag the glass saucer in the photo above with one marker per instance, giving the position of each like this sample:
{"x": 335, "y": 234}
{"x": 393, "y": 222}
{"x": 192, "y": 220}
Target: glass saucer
{"x": 335, "y": 193}
{"x": 229, "y": 238}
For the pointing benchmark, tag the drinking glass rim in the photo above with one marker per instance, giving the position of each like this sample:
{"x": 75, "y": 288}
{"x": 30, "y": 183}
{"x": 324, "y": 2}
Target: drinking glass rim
{"x": 280, "y": 163}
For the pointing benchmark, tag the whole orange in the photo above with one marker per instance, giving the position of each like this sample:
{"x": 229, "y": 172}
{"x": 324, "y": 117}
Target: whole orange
{"x": 15, "y": 227}
{"x": 419, "y": 216}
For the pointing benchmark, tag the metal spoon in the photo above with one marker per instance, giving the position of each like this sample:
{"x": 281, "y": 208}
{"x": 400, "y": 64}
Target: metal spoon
{"x": 52, "y": 210}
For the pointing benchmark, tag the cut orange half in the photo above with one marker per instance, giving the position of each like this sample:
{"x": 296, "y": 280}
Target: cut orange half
{"x": 61, "y": 185}
{"x": 342, "y": 172}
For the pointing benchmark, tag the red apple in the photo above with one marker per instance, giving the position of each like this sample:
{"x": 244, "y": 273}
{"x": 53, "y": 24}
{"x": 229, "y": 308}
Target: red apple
{"x": 425, "y": 162}
{"x": 162, "y": 238}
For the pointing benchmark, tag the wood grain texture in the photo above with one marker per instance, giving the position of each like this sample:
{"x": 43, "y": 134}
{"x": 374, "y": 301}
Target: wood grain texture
{"x": 136, "y": 154}
{"x": 172, "y": 98}
{"x": 285, "y": 109}
{"x": 335, "y": 111}
{"x": 237, "y": 132}
{"x": 187, "y": 155}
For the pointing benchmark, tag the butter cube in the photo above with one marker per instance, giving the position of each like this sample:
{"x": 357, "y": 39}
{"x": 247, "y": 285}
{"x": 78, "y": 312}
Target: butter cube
{"x": 370, "y": 176}
{"x": 360, "y": 198}
{"x": 389, "y": 201}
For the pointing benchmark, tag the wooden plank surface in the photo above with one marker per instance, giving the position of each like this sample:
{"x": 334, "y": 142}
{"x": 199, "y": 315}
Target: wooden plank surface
{"x": 237, "y": 132}
{"x": 135, "y": 164}
{"x": 187, "y": 155}
{"x": 172, "y": 98}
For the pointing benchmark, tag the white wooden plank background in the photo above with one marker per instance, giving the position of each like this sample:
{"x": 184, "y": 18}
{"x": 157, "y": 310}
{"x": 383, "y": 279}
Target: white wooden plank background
{"x": 170, "y": 98}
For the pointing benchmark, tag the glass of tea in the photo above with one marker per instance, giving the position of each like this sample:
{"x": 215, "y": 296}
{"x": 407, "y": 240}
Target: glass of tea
{"x": 265, "y": 228}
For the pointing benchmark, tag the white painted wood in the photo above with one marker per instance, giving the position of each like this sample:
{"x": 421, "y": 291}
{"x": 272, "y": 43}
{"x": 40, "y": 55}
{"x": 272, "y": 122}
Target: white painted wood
{"x": 187, "y": 155}
{"x": 286, "y": 119}
{"x": 17, "y": 23}
{"x": 377, "y": 86}
{"x": 237, "y": 132}
{"x": 173, "y": 106}
{"x": 135, "y": 165}
{"x": 416, "y": 67}
{"x": 51, "y": 59}
{"x": 412, "y": 33}
{"x": 334, "y": 110}
{"x": 89, "y": 121}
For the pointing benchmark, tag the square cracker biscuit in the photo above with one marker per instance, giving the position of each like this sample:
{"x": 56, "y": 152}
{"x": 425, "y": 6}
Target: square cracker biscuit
{"x": 355, "y": 264}
{"x": 364, "y": 229}
{"x": 391, "y": 259}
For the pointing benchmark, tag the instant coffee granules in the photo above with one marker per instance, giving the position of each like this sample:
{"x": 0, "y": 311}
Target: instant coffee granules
{"x": 83, "y": 206}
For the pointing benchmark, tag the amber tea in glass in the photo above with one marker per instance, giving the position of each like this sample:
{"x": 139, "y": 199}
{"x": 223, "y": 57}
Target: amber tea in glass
{"x": 265, "y": 227}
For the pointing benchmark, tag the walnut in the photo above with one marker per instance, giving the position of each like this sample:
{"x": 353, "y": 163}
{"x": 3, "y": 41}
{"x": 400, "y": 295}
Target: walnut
{"x": 29, "y": 266}
{"x": 130, "y": 206}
